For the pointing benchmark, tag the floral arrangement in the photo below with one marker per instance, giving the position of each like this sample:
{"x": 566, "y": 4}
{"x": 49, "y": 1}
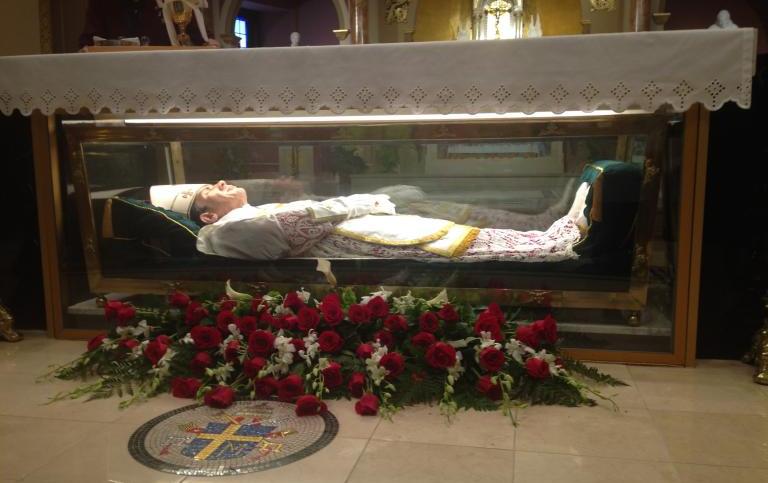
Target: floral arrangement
{"x": 385, "y": 351}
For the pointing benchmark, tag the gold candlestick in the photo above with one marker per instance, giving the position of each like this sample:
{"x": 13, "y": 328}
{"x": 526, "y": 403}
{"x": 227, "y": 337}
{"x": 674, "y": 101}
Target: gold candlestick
{"x": 181, "y": 16}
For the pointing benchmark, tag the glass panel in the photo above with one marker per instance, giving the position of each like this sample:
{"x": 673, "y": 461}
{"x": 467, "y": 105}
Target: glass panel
{"x": 578, "y": 218}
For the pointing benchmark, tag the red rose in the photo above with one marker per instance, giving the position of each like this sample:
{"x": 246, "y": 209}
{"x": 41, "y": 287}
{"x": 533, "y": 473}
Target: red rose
{"x": 356, "y": 384}
{"x": 331, "y": 299}
{"x": 178, "y": 299}
{"x": 368, "y": 405}
{"x": 441, "y": 355}
{"x": 251, "y": 367}
{"x": 227, "y": 304}
{"x": 290, "y": 387}
{"x": 396, "y": 323}
{"x": 310, "y": 405}
{"x": 256, "y": 305}
{"x": 232, "y": 351}
{"x": 298, "y": 344}
{"x": 332, "y": 375}
{"x": 378, "y": 307}
{"x": 493, "y": 308}
{"x": 111, "y": 307}
{"x": 154, "y": 351}
{"x": 385, "y": 337}
{"x": 333, "y": 314}
{"x": 268, "y": 320}
{"x": 129, "y": 344}
{"x": 491, "y": 390}
{"x": 308, "y": 318}
{"x": 330, "y": 341}
{"x": 448, "y": 313}
{"x": 394, "y": 363}
{"x": 219, "y": 397}
{"x": 527, "y": 336}
{"x": 487, "y": 322}
{"x": 265, "y": 387}
{"x": 364, "y": 351}
{"x": 492, "y": 359}
{"x": 125, "y": 314}
{"x": 423, "y": 339}
{"x": 201, "y": 361}
{"x": 185, "y": 387}
{"x": 546, "y": 329}
{"x": 224, "y": 319}
{"x": 261, "y": 343}
{"x": 95, "y": 343}
{"x": 537, "y": 368}
{"x": 428, "y": 322}
{"x": 359, "y": 314}
{"x": 290, "y": 322}
{"x": 205, "y": 337}
{"x": 293, "y": 301}
{"x": 247, "y": 324}
{"x": 195, "y": 313}
{"x": 163, "y": 339}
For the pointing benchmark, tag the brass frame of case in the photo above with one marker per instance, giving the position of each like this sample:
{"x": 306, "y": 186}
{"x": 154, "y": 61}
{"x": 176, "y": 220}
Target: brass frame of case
{"x": 48, "y": 180}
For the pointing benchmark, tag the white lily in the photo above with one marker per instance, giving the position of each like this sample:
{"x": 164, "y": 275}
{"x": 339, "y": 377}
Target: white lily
{"x": 234, "y": 295}
{"x": 439, "y": 300}
{"x": 385, "y": 294}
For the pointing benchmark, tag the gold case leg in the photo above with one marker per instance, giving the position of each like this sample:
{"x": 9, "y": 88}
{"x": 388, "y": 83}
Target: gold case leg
{"x": 6, "y": 326}
{"x": 760, "y": 350}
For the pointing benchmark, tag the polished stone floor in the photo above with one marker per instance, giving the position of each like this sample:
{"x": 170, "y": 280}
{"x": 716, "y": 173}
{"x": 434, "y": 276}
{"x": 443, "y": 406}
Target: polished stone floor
{"x": 707, "y": 424}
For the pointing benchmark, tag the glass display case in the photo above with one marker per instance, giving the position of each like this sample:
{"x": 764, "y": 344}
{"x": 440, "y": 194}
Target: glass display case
{"x": 583, "y": 216}
{"x": 561, "y": 174}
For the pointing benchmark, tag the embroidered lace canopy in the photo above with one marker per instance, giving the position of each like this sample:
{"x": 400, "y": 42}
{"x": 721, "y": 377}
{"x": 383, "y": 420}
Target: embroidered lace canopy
{"x": 573, "y": 73}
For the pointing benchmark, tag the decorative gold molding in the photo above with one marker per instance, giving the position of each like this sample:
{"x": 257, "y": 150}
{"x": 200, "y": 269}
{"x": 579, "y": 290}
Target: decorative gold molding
{"x": 6, "y": 326}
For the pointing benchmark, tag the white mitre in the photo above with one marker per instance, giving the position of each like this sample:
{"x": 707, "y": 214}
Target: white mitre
{"x": 175, "y": 197}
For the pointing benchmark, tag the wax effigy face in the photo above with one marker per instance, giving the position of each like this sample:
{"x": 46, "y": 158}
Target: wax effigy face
{"x": 536, "y": 212}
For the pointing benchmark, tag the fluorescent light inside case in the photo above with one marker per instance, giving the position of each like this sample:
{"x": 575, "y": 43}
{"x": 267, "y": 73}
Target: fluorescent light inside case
{"x": 371, "y": 118}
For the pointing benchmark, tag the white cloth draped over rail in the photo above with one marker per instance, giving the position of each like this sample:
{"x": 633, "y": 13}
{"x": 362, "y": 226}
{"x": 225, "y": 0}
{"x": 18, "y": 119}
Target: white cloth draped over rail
{"x": 583, "y": 73}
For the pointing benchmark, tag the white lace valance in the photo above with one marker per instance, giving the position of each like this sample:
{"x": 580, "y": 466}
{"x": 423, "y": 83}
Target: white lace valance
{"x": 581, "y": 73}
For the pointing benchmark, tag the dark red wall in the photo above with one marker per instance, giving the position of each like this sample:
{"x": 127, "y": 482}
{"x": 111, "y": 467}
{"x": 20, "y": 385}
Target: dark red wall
{"x": 316, "y": 21}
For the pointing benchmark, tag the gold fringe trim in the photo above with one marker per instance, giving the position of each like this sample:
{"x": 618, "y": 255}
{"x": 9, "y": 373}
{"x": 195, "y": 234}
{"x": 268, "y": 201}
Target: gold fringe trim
{"x": 468, "y": 240}
{"x": 458, "y": 248}
{"x": 383, "y": 241}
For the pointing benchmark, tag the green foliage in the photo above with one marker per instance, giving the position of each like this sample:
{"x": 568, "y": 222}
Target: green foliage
{"x": 592, "y": 373}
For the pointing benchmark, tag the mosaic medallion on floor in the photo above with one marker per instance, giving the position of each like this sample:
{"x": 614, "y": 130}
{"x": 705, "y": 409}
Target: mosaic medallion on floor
{"x": 246, "y": 437}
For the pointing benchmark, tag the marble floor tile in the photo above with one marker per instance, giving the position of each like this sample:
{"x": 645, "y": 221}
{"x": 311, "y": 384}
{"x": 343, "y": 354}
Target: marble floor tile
{"x": 101, "y": 457}
{"x": 703, "y": 397}
{"x": 715, "y": 439}
{"x": 331, "y": 464}
{"x": 36, "y": 353}
{"x": 387, "y": 462}
{"x": 351, "y": 424}
{"x": 705, "y": 371}
{"x": 26, "y": 444}
{"x": 557, "y": 468}
{"x": 719, "y": 474}
{"x": 24, "y": 396}
{"x": 624, "y": 396}
{"x": 425, "y": 424}
{"x": 590, "y": 431}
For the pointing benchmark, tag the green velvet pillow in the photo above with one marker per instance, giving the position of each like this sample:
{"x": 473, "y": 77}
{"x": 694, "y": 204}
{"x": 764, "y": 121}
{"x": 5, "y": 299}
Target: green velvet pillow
{"x": 612, "y": 205}
{"x": 165, "y": 231}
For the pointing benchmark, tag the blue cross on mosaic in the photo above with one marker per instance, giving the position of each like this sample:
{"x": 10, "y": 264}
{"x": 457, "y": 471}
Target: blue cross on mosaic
{"x": 226, "y": 440}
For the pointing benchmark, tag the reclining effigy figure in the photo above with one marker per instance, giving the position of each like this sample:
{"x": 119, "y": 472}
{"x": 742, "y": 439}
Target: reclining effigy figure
{"x": 361, "y": 225}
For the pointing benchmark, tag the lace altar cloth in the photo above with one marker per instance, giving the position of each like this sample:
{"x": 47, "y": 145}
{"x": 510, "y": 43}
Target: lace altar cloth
{"x": 550, "y": 74}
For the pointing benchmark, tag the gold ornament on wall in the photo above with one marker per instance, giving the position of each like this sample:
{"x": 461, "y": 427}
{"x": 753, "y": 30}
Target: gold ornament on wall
{"x": 602, "y": 5}
{"x": 396, "y": 11}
